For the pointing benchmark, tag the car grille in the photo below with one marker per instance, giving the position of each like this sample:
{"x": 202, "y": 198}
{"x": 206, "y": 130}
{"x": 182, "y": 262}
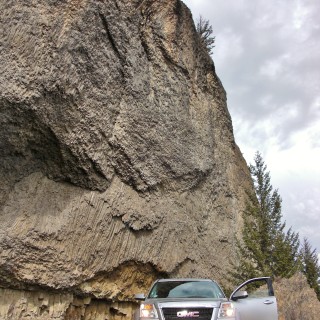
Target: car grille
{"x": 187, "y": 313}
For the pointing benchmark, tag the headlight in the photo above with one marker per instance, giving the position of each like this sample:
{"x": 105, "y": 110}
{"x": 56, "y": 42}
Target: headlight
{"x": 148, "y": 311}
{"x": 226, "y": 310}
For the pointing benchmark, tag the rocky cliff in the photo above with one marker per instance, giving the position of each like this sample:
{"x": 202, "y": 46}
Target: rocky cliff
{"x": 118, "y": 162}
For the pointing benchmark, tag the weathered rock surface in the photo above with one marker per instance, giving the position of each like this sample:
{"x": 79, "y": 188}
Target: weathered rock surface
{"x": 118, "y": 162}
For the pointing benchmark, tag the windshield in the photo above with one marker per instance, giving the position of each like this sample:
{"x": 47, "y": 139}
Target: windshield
{"x": 186, "y": 289}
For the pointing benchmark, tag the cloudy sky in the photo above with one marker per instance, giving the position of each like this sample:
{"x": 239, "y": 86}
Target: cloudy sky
{"x": 267, "y": 56}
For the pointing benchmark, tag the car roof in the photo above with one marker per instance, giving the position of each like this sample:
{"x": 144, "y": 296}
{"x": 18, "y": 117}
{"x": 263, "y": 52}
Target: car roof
{"x": 183, "y": 279}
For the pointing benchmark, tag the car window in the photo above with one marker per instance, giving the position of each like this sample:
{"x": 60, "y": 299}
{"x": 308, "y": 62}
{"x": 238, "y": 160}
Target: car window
{"x": 257, "y": 289}
{"x": 256, "y": 292}
{"x": 186, "y": 289}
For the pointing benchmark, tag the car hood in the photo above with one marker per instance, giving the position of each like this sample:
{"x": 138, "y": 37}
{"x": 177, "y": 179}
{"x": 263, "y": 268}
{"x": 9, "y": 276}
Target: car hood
{"x": 186, "y": 303}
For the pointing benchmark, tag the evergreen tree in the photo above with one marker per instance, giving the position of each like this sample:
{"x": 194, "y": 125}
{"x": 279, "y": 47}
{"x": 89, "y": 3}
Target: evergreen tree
{"x": 265, "y": 249}
{"x": 205, "y": 31}
{"x": 310, "y": 266}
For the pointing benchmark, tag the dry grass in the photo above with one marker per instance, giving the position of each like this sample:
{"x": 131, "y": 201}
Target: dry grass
{"x": 296, "y": 300}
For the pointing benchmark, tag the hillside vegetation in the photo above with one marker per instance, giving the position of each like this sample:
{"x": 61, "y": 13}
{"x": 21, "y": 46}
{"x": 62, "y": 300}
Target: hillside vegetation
{"x": 296, "y": 300}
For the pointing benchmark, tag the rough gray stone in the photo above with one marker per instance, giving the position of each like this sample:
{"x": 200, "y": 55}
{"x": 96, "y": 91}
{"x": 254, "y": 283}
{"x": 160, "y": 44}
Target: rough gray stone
{"x": 117, "y": 150}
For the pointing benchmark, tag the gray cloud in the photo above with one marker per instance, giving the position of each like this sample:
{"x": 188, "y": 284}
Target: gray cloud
{"x": 266, "y": 53}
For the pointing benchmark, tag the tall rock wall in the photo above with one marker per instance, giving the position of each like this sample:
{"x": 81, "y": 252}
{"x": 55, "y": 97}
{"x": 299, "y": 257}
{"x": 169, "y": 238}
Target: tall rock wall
{"x": 118, "y": 162}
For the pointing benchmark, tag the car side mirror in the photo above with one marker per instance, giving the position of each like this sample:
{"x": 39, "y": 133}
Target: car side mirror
{"x": 239, "y": 295}
{"x": 139, "y": 296}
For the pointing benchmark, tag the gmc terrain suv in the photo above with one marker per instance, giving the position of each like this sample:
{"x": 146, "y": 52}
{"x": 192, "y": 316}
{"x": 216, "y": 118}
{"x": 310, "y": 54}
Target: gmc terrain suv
{"x": 203, "y": 299}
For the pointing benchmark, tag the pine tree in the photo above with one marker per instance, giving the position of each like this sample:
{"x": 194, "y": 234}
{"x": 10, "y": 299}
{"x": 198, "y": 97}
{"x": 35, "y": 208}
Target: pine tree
{"x": 265, "y": 249}
{"x": 205, "y": 31}
{"x": 310, "y": 266}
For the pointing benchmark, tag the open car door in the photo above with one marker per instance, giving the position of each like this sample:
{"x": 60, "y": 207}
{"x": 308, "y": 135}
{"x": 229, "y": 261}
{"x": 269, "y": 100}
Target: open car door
{"x": 255, "y": 300}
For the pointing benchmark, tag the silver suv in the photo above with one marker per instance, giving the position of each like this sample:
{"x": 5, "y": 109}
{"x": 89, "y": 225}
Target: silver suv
{"x": 203, "y": 299}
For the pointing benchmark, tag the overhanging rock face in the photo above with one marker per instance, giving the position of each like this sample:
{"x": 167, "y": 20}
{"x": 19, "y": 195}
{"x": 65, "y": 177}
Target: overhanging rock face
{"x": 118, "y": 162}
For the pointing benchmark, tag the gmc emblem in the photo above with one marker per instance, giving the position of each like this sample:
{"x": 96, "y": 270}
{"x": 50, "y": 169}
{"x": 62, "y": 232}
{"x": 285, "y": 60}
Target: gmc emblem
{"x": 188, "y": 314}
